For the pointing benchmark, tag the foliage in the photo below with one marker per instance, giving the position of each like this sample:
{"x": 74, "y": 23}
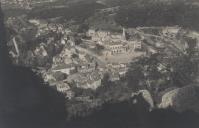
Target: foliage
{"x": 159, "y": 14}
{"x": 159, "y": 72}
{"x": 78, "y": 12}
{"x": 59, "y": 76}
{"x": 99, "y": 48}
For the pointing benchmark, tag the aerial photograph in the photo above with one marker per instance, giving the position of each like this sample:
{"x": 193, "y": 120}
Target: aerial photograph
{"x": 99, "y": 63}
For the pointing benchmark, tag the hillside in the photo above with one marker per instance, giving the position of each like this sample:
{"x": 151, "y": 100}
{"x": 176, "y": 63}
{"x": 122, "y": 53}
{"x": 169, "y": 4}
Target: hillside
{"x": 49, "y": 37}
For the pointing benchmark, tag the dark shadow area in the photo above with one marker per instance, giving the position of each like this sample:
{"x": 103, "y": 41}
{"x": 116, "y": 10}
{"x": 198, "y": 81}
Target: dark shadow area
{"x": 25, "y": 100}
{"x": 129, "y": 115}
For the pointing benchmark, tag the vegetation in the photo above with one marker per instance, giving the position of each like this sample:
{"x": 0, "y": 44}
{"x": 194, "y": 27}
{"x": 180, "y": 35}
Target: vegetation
{"x": 157, "y": 74}
{"x": 98, "y": 49}
{"x": 159, "y": 14}
{"x": 78, "y": 12}
{"x": 59, "y": 76}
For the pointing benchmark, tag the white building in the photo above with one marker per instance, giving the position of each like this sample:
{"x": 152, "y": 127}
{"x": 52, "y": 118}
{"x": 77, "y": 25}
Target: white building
{"x": 171, "y": 31}
{"x": 65, "y": 68}
{"x": 114, "y": 48}
{"x": 64, "y": 88}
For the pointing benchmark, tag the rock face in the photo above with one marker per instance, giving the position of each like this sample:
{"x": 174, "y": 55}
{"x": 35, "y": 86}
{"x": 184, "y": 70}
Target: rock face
{"x": 182, "y": 99}
{"x": 146, "y": 96}
{"x": 167, "y": 99}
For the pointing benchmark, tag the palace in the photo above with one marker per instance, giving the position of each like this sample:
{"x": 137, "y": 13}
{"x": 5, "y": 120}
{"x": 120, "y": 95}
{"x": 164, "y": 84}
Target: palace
{"x": 114, "y": 43}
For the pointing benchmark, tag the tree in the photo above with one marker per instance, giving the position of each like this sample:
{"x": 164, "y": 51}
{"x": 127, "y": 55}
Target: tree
{"x": 59, "y": 76}
{"x": 99, "y": 48}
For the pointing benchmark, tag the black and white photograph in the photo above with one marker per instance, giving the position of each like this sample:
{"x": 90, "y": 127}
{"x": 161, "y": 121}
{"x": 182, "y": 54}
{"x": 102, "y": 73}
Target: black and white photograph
{"x": 99, "y": 63}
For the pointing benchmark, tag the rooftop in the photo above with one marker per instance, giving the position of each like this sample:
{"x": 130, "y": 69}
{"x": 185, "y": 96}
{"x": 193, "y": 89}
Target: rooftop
{"x": 63, "y": 66}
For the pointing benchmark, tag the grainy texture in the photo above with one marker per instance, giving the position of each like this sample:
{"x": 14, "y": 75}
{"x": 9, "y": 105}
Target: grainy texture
{"x": 99, "y": 63}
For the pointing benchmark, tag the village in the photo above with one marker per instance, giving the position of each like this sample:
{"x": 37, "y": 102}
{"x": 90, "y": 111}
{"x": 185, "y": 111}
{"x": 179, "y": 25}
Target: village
{"x": 84, "y": 65}
{"x": 86, "y": 58}
{"x": 23, "y": 4}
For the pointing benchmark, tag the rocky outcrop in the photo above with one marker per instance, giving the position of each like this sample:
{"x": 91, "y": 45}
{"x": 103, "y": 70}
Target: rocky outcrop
{"x": 182, "y": 99}
{"x": 167, "y": 99}
{"x": 146, "y": 96}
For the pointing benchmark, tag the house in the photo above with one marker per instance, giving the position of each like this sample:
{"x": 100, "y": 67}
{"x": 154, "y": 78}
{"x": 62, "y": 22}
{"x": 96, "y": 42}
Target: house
{"x": 52, "y": 27}
{"x": 97, "y": 33}
{"x": 122, "y": 71}
{"x": 65, "y": 68}
{"x": 135, "y": 44}
{"x": 150, "y": 51}
{"x": 86, "y": 67}
{"x": 194, "y": 36}
{"x": 67, "y": 31}
{"x": 71, "y": 43}
{"x": 41, "y": 51}
{"x": 104, "y": 36}
{"x": 89, "y": 84}
{"x": 88, "y": 80}
{"x": 91, "y": 32}
{"x": 138, "y": 45}
{"x": 113, "y": 76}
{"x": 62, "y": 87}
{"x": 117, "y": 70}
{"x": 116, "y": 65}
{"x": 171, "y": 31}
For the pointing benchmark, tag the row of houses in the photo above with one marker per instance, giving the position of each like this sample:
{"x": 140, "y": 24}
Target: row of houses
{"x": 26, "y": 4}
{"x": 45, "y": 27}
{"x": 88, "y": 80}
{"x": 88, "y": 76}
{"x": 116, "y": 71}
{"x": 75, "y": 68}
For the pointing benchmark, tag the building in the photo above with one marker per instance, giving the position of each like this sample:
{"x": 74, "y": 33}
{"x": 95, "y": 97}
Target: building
{"x": 114, "y": 48}
{"x": 122, "y": 72}
{"x": 64, "y": 88}
{"x": 150, "y": 50}
{"x": 88, "y": 80}
{"x": 104, "y": 36}
{"x": 91, "y": 32}
{"x": 171, "y": 31}
{"x": 65, "y": 68}
{"x": 116, "y": 65}
{"x": 97, "y": 35}
{"x": 116, "y": 70}
{"x": 40, "y": 50}
{"x": 89, "y": 84}
{"x": 194, "y": 36}
{"x": 48, "y": 77}
{"x": 135, "y": 43}
{"x": 114, "y": 76}
{"x": 87, "y": 67}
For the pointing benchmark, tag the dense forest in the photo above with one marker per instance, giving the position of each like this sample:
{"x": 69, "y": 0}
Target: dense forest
{"x": 159, "y": 14}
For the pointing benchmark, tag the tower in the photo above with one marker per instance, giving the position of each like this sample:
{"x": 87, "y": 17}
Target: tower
{"x": 124, "y": 33}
